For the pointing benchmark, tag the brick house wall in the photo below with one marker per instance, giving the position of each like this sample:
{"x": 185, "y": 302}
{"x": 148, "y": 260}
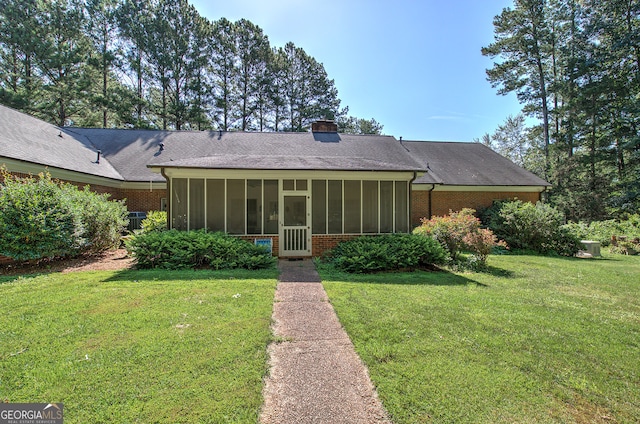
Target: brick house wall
{"x": 143, "y": 200}
{"x": 319, "y": 243}
{"x": 322, "y": 243}
{"x": 443, "y": 201}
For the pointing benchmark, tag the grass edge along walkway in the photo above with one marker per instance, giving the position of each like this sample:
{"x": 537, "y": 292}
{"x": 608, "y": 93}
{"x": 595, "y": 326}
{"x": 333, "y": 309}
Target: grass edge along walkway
{"x": 535, "y": 339}
{"x": 315, "y": 373}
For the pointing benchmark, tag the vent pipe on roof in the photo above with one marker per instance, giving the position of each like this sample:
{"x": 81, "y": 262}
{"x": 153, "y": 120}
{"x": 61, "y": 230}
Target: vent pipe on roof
{"x": 99, "y": 152}
{"x": 161, "y": 146}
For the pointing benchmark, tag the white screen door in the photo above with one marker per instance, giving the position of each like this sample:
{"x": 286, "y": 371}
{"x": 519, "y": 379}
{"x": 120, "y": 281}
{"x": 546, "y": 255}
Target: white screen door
{"x": 295, "y": 232}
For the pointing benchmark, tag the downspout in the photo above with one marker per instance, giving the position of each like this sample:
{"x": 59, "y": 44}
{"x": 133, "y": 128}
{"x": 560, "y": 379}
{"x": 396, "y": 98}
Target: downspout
{"x": 430, "y": 191}
{"x": 415, "y": 175}
{"x": 168, "y": 197}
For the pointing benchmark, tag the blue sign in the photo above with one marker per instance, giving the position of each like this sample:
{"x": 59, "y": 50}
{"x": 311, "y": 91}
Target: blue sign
{"x": 267, "y": 243}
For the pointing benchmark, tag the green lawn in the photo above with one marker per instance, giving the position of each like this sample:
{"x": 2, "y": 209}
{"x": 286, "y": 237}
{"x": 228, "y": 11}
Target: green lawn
{"x": 536, "y": 339}
{"x": 138, "y": 346}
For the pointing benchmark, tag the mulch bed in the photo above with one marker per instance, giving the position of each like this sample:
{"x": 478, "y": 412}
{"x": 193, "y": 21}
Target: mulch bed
{"x": 112, "y": 260}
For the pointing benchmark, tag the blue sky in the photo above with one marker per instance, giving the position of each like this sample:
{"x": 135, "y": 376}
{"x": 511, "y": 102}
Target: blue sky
{"x": 413, "y": 65}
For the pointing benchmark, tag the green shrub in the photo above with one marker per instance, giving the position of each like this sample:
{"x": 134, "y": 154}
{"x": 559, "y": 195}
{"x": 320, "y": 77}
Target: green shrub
{"x": 155, "y": 221}
{"x": 103, "y": 220}
{"x": 42, "y": 218}
{"x": 34, "y": 221}
{"x": 538, "y": 228}
{"x": 174, "y": 249}
{"x": 386, "y": 252}
{"x": 603, "y": 231}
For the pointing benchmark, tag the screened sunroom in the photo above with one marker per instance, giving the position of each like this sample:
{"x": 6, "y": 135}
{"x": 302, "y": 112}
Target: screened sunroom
{"x": 291, "y": 206}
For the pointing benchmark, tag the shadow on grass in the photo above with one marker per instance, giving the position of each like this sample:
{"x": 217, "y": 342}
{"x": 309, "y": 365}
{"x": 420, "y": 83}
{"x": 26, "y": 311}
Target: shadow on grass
{"x": 497, "y": 272}
{"x": 134, "y": 275}
{"x": 418, "y": 277}
{"x": 10, "y": 278}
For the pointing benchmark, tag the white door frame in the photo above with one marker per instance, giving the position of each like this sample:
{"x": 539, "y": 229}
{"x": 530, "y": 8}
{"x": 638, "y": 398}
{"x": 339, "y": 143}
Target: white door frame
{"x": 295, "y": 240}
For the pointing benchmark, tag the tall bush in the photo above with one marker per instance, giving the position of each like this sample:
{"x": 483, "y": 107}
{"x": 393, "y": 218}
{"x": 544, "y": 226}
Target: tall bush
{"x": 460, "y": 231}
{"x": 537, "y": 227}
{"x": 103, "y": 220}
{"x": 42, "y": 218}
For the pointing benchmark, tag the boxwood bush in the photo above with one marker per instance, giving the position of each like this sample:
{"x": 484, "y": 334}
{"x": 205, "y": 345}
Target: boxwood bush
{"x": 523, "y": 225}
{"x": 43, "y": 218}
{"x": 386, "y": 253}
{"x": 175, "y": 249}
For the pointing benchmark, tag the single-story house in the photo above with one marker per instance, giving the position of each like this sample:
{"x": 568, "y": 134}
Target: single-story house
{"x": 304, "y": 191}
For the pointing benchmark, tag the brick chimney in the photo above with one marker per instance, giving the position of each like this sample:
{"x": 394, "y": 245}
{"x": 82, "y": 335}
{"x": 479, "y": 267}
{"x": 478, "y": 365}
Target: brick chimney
{"x": 324, "y": 126}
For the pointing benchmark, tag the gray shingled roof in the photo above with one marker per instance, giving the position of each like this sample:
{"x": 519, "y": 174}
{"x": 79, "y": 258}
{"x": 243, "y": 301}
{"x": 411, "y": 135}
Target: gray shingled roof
{"x": 28, "y": 139}
{"x": 130, "y": 151}
{"x": 127, "y": 154}
{"x": 472, "y": 164}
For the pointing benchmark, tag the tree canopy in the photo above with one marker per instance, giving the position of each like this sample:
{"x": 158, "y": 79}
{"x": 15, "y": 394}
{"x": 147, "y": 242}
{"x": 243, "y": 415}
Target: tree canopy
{"x": 155, "y": 64}
{"x": 575, "y": 67}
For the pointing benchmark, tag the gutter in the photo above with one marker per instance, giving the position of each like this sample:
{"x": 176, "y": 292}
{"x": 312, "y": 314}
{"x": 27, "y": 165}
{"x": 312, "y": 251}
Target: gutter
{"x": 415, "y": 175}
{"x": 433, "y": 186}
{"x": 168, "y": 197}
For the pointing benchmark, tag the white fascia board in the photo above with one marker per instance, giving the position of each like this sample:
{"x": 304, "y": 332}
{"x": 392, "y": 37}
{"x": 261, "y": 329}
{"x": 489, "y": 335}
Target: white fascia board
{"x": 440, "y": 187}
{"x": 284, "y": 174}
{"x": 17, "y": 166}
{"x": 13, "y": 165}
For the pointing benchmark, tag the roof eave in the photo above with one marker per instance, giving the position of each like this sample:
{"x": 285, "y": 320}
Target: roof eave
{"x": 158, "y": 168}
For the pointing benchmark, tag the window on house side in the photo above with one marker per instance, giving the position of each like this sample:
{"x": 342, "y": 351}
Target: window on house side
{"x": 402, "y": 208}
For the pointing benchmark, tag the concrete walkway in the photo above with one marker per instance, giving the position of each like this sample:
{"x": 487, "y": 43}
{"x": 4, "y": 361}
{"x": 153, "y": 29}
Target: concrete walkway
{"x": 316, "y": 375}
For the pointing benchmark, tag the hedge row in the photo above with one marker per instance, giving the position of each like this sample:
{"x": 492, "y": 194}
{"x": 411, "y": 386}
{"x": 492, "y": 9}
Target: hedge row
{"x": 386, "y": 253}
{"x": 195, "y": 249}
